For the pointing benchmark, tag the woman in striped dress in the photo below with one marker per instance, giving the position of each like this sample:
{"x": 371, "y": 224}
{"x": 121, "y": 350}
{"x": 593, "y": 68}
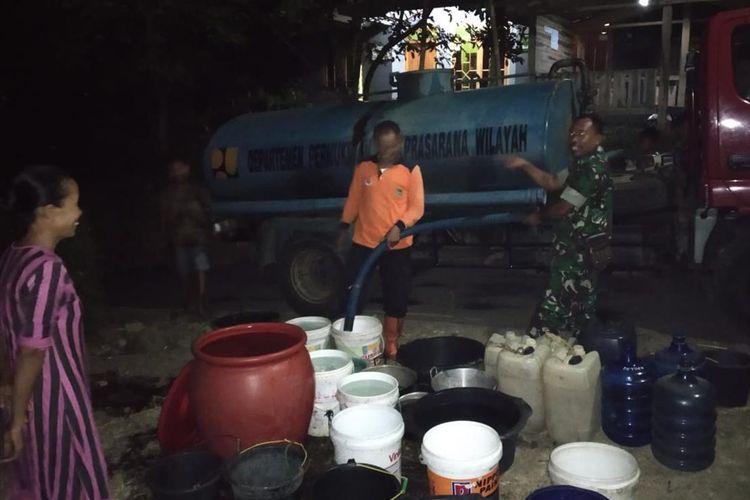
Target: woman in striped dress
{"x": 51, "y": 439}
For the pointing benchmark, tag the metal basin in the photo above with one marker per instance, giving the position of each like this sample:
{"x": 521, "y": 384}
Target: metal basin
{"x": 406, "y": 377}
{"x": 411, "y": 398}
{"x": 462, "y": 377}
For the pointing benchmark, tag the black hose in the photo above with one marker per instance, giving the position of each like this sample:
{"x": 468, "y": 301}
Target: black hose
{"x": 356, "y": 289}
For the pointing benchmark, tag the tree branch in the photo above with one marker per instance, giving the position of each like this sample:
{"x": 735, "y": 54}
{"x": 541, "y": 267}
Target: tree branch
{"x": 393, "y": 40}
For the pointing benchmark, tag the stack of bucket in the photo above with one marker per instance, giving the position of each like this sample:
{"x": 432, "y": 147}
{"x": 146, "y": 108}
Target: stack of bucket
{"x": 330, "y": 367}
{"x": 368, "y": 429}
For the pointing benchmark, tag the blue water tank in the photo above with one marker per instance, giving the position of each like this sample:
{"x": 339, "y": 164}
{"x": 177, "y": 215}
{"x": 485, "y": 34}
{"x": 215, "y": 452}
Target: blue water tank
{"x": 456, "y": 138}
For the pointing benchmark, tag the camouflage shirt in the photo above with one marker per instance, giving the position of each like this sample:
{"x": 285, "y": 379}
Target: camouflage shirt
{"x": 588, "y": 187}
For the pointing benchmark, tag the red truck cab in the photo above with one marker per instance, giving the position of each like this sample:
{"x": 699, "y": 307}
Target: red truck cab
{"x": 720, "y": 151}
{"x": 725, "y": 111}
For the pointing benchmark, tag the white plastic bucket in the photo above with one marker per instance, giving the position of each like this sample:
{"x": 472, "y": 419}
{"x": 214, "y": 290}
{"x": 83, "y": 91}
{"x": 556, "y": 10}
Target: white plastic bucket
{"x": 462, "y": 458}
{"x": 320, "y": 425}
{"x": 330, "y": 366}
{"x": 607, "y": 469}
{"x": 364, "y": 341}
{"x": 318, "y": 330}
{"x": 370, "y": 435}
{"x": 367, "y": 388}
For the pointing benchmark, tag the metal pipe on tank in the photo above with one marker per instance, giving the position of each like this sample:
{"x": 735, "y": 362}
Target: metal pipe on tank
{"x": 534, "y": 196}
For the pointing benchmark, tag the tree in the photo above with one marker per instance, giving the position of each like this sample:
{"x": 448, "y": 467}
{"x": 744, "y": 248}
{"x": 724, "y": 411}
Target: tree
{"x": 404, "y": 26}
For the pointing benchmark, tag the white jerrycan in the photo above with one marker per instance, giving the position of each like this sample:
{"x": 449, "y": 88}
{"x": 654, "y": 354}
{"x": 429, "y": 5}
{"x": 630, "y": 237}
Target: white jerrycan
{"x": 519, "y": 374}
{"x": 572, "y": 394}
{"x": 494, "y": 346}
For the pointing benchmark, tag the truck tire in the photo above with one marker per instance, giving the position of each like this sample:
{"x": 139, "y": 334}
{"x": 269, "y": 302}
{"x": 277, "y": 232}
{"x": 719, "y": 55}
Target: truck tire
{"x": 310, "y": 274}
{"x": 732, "y": 278}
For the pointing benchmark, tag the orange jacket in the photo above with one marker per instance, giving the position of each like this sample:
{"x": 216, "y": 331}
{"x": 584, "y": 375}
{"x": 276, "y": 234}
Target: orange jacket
{"x": 377, "y": 202}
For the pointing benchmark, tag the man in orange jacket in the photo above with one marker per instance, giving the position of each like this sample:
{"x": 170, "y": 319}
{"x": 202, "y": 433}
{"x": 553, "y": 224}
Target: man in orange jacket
{"x": 385, "y": 197}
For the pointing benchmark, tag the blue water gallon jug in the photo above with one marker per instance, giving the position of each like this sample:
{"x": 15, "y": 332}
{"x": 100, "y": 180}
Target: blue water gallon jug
{"x": 609, "y": 337}
{"x": 666, "y": 361}
{"x": 626, "y": 401}
{"x": 684, "y": 420}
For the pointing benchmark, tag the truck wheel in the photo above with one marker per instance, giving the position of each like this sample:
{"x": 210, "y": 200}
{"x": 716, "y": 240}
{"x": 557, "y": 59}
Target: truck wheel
{"x": 732, "y": 278}
{"x": 310, "y": 274}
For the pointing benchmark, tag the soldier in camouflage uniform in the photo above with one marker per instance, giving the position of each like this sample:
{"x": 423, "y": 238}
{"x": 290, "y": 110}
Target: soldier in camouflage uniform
{"x": 584, "y": 209}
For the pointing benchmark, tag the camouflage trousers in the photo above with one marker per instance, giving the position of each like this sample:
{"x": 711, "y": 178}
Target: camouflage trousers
{"x": 570, "y": 299}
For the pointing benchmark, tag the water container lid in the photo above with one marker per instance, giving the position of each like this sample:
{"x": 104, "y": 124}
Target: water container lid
{"x": 177, "y": 429}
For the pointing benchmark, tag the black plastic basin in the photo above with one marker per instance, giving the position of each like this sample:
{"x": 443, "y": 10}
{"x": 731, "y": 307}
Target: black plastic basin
{"x": 421, "y": 355}
{"x": 506, "y": 414}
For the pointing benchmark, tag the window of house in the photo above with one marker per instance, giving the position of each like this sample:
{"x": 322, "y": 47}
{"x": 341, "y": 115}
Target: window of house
{"x": 741, "y": 60}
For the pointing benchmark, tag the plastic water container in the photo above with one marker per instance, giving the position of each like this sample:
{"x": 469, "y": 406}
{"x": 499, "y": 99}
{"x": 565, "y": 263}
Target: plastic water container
{"x": 626, "y": 401}
{"x": 318, "y": 330}
{"x": 495, "y": 345}
{"x": 320, "y": 421}
{"x": 267, "y": 471}
{"x": 462, "y": 459}
{"x": 519, "y": 374}
{"x": 603, "y": 468}
{"x": 572, "y": 394}
{"x": 729, "y": 372}
{"x": 330, "y": 366}
{"x": 684, "y": 420}
{"x": 360, "y": 481}
{"x": 368, "y": 388}
{"x": 609, "y": 338}
{"x": 667, "y": 361}
{"x": 191, "y": 475}
{"x": 555, "y": 342}
{"x": 369, "y": 434}
{"x": 492, "y": 349}
{"x": 365, "y": 341}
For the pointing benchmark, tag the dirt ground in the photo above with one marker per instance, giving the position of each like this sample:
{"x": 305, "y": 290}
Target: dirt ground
{"x": 137, "y": 347}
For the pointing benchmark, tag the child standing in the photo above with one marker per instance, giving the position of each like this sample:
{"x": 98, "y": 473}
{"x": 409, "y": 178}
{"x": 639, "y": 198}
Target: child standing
{"x": 186, "y": 222}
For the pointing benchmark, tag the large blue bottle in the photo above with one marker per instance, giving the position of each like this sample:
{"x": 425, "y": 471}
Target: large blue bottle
{"x": 666, "y": 361}
{"x": 626, "y": 401}
{"x": 684, "y": 420}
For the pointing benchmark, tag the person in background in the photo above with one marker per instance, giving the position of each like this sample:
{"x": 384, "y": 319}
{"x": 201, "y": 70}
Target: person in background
{"x": 582, "y": 213}
{"x": 385, "y": 197}
{"x": 186, "y": 222}
{"x": 51, "y": 441}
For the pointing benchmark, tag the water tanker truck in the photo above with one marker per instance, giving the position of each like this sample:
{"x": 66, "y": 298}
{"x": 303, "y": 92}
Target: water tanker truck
{"x": 285, "y": 174}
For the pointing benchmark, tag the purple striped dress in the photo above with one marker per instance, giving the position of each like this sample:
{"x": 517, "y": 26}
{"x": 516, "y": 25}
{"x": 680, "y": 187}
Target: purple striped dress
{"x": 39, "y": 308}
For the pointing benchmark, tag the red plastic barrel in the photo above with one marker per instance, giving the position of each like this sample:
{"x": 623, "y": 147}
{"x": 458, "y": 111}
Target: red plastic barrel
{"x": 250, "y": 384}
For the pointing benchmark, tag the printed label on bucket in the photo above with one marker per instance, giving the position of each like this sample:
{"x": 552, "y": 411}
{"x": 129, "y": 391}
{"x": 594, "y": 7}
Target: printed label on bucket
{"x": 395, "y": 460}
{"x": 485, "y": 486}
{"x": 372, "y": 351}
